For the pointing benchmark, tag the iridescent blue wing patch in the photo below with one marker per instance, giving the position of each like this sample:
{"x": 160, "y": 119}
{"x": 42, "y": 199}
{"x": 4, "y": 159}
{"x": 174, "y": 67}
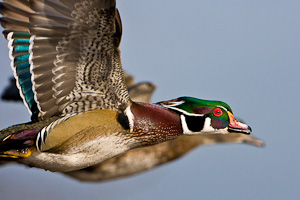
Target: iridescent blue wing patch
{"x": 18, "y": 43}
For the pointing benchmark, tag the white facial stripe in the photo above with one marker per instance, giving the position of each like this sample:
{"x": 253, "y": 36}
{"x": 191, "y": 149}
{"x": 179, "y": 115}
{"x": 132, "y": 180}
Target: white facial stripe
{"x": 182, "y": 111}
{"x": 175, "y": 103}
{"x": 222, "y": 107}
{"x": 130, "y": 117}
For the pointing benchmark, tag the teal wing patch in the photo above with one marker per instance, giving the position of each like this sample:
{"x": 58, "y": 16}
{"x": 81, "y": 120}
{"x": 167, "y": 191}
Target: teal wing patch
{"x": 18, "y": 44}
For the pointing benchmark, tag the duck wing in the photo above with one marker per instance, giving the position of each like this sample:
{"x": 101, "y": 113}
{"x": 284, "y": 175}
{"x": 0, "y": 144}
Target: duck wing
{"x": 65, "y": 54}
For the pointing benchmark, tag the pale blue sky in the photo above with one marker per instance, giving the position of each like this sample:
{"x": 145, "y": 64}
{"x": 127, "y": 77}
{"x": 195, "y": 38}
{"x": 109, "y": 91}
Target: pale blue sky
{"x": 245, "y": 53}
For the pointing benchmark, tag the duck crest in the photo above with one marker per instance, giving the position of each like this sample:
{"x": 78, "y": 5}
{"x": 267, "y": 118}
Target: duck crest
{"x": 152, "y": 124}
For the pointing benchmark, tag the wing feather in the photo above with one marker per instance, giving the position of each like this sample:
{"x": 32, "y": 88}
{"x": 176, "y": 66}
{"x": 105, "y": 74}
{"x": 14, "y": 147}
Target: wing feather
{"x": 74, "y": 53}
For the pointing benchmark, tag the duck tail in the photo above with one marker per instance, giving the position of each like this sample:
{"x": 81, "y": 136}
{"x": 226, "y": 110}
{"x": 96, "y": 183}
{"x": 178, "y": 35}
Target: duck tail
{"x": 16, "y": 142}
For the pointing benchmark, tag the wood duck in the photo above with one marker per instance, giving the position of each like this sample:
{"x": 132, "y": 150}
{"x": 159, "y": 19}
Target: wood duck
{"x": 143, "y": 159}
{"x": 66, "y": 60}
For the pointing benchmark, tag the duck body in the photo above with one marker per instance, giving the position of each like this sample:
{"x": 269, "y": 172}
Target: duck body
{"x": 83, "y": 140}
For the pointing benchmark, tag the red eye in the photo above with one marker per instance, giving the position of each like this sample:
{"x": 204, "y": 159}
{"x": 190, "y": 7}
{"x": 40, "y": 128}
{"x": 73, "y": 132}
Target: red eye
{"x": 218, "y": 112}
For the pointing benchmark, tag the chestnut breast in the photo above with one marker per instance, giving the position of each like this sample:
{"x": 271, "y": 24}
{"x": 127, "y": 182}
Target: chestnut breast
{"x": 153, "y": 124}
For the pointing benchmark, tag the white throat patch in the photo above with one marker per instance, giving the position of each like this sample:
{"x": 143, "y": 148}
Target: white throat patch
{"x": 207, "y": 125}
{"x": 207, "y": 128}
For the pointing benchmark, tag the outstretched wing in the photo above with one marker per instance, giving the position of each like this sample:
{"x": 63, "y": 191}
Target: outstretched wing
{"x": 65, "y": 54}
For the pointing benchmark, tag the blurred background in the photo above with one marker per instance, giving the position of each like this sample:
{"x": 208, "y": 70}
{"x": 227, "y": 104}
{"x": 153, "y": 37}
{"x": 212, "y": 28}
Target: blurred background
{"x": 245, "y": 53}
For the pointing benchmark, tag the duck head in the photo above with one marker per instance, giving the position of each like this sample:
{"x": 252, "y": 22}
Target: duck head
{"x": 200, "y": 116}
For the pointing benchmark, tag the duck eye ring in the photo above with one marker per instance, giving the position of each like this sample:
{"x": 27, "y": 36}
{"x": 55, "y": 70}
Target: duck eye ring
{"x": 217, "y": 112}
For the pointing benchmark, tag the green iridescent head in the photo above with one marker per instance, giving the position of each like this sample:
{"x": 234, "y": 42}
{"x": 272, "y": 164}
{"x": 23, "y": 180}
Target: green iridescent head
{"x": 205, "y": 116}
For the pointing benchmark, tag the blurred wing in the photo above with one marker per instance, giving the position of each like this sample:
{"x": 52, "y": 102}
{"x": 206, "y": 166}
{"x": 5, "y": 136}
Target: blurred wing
{"x": 65, "y": 54}
{"x": 141, "y": 92}
{"x": 11, "y": 92}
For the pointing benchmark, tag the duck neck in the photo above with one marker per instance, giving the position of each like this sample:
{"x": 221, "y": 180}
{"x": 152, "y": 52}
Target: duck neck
{"x": 151, "y": 124}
